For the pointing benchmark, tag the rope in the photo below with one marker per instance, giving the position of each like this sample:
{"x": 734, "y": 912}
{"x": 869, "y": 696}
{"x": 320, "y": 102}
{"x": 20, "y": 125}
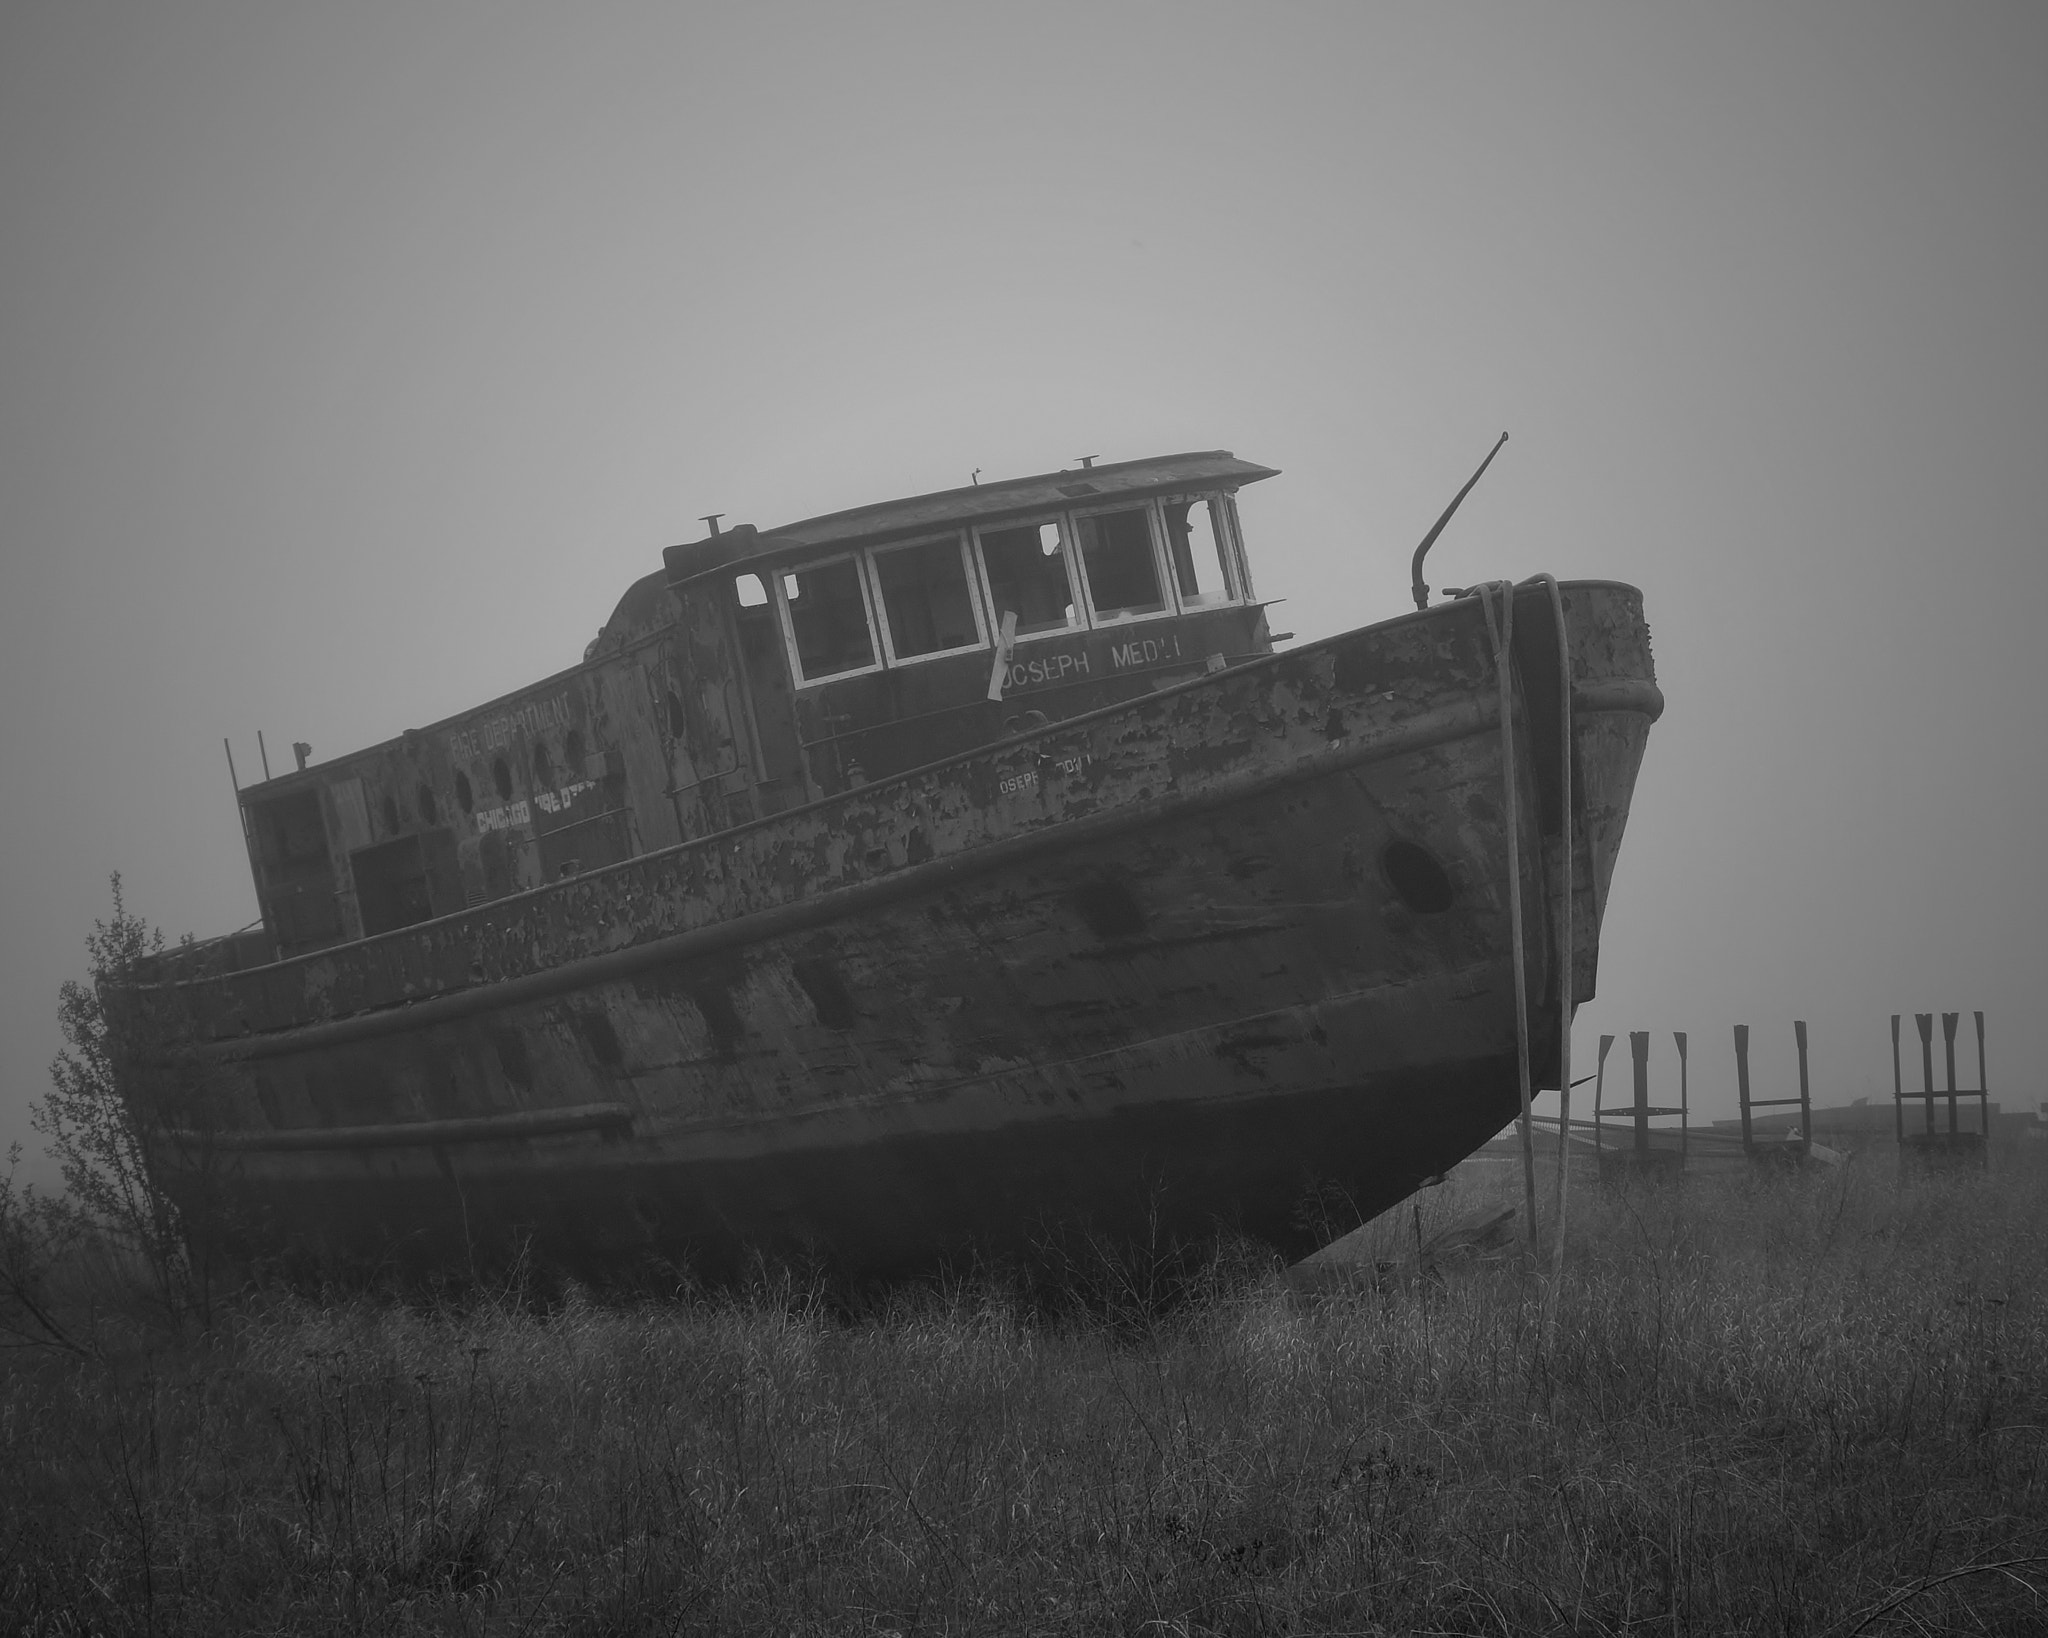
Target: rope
{"x": 1502, "y": 633}
{"x": 1566, "y": 931}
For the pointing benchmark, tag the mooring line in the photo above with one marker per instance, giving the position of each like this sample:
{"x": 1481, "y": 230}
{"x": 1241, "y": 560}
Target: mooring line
{"x": 1565, "y": 938}
{"x": 1503, "y": 634}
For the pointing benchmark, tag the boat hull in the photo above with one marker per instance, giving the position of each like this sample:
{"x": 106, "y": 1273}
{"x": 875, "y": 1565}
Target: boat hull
{"x": 1235, "y": 955}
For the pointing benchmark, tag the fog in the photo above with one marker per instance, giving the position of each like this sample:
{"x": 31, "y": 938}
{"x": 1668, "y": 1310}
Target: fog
{"x": 354, "y": 359}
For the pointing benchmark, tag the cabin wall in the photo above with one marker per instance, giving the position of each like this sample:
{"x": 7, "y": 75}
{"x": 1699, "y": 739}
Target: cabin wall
{"x": 884, "y": 722}
{"x": 684, "y": 720}
{"x": 643, "y": 747}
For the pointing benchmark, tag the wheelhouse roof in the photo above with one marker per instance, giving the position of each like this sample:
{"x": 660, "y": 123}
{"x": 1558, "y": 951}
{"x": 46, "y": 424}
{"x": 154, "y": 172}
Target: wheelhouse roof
{"x": 958, "y": 508}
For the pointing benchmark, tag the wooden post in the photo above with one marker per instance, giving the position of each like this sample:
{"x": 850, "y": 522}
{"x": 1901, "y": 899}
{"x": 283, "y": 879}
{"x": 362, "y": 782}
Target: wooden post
{"x": 1898, "y": 1090}
{"x": 1684, "y": 1100}
{"x": 1600, "y": 1091}
{"x": 1948, "y": 1045}
{"x": 1805, "y": 1096}
{"x": 1742, "y": 1081}
{"x": 1639, "y": 1051}
{"x": 1924, "y": 1022}
{"x": 1983, "y": 1091}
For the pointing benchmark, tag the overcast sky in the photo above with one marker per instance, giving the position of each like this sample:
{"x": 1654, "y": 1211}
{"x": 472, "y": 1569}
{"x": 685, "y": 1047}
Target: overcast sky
{"x": 353, "y": 359}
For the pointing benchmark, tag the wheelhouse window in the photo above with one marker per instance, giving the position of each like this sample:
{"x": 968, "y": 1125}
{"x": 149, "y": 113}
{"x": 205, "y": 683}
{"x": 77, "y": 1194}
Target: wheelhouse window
{"x": 928, "y": 603}
{"x": 1121, "y": 567}
{"x": 1198, "y": 546}
{"x": 831, "y": 633}
{"x": 1029, "y": 575}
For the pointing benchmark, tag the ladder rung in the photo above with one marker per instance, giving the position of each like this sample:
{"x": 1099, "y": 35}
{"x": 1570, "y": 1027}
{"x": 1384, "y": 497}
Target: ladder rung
{"x": 1772, "y": 1103}
{"x": 1959, "y": 1092}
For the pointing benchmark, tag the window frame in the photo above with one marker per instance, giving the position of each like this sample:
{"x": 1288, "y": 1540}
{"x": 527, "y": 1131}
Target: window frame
{"x": 1230, "y": 559}
{"x": 976, "y": 597}
{"x": 1162, "y": 568}
{"x": 1245, "y": 592}
{"x": 779, "y": 593}
{"x": 1063, "y": 521}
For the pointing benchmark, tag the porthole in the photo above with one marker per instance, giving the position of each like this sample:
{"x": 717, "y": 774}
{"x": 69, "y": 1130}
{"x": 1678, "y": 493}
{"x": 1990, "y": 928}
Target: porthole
{"x": 677, "y": 721}
{"x": 463, "y": 794}
{"x": 572, "y": 753}
{"x": 501, "y": 776}
{"x": 1417, "y": 879}
{"x": 543, "y": 769}
{"x": 430, "y": 810}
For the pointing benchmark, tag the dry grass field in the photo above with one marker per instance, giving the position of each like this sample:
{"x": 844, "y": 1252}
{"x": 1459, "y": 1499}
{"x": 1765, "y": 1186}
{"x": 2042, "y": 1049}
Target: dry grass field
{"x": 1816, "y": 1406}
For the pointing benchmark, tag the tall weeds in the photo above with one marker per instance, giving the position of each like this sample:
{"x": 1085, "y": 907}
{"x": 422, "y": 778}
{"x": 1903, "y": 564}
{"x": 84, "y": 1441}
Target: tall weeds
{"x": 1804, "y": 1407}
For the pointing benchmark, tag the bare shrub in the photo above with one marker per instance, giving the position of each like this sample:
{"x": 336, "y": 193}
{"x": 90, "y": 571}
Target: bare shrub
{"x": 119, "y": 1101}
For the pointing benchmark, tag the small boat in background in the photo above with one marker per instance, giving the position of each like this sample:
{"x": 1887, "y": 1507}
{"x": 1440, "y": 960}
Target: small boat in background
{"x": 910, "y": 880}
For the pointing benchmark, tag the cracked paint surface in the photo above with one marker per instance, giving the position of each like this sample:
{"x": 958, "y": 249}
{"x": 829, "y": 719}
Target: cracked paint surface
{"x": 1147, "y": 960}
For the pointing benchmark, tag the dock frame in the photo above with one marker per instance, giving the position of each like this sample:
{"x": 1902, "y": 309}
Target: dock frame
{"x": 1929, "y": 1148}
{"x": 1639, "y": 1158}
{"x": 1778, "y": 1153}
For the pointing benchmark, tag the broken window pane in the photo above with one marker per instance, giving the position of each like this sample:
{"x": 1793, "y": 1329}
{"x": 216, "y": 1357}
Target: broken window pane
{"x": 828, "y": 614}
{"x": 1116, "y": 552}
{"x": 1201, "y": 562}
{"x": 1027, "y": 577}
{"x": 925, "y": 598}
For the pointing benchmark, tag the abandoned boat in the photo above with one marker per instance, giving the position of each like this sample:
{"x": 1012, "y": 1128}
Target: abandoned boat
{"x": 913, "y": 879}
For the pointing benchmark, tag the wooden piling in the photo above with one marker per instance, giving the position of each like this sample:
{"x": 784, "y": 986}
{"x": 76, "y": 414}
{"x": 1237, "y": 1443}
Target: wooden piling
{"x": 1949, "y": 1020}
{"x": 1805, "y": 1092}
{"x": 1924, "y": 1022}
{"x": 1684, "y": 1101}
{"x": 1639, "y": 1051}
{"x": 1898, "y": 1089}
{"x": 1742, "y": 1082}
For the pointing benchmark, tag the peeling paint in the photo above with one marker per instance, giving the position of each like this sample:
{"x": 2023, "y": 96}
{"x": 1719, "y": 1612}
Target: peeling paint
{"x": 1154, "y": 939}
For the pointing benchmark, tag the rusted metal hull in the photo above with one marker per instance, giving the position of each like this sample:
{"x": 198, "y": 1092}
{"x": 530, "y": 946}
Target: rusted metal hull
{"x": 1154, "y": 969}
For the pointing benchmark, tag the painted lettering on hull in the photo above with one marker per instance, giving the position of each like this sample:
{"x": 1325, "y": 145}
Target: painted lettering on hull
{"x": 1044, "y": 670}
{"x": 488, "y": 735}
{"x": 560, "y": 801}
{"x": 520, "y": 813}
{"x": 1145, "y": 651}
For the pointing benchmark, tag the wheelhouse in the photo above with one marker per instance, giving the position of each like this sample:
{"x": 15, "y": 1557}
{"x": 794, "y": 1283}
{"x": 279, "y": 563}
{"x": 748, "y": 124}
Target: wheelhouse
{"x": 758, "y": 671}
{"x": 903, "y": 602}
